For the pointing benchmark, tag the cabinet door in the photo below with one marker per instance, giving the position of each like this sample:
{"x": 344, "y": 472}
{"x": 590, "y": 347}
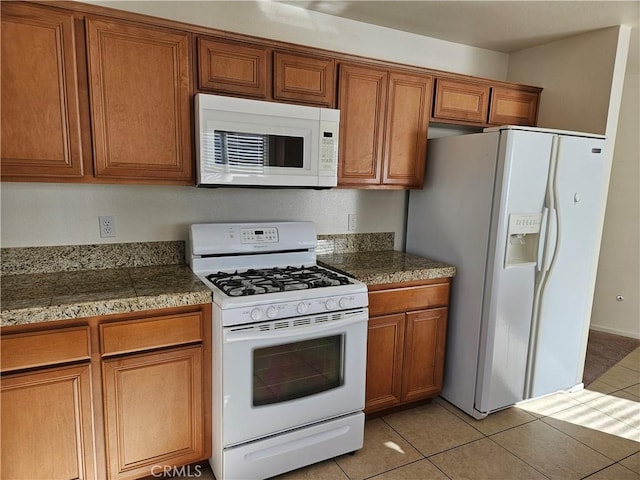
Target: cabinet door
{"x": 511, "y": 106}
{"x": 304, "y": 79}
{"x": 384, "y": 362}
{"x": 47, "y": 427}
{"x": 362, "y": 100}
{"x": 424, "y": 353}
{"x": 458, "y": 100}
{"x": 153, "y": 411}
{"x": 233, "y": 67}
{"x": 405, "y": 151}
{"x": 140, "y": 85}
{"x": 41, "y": 131}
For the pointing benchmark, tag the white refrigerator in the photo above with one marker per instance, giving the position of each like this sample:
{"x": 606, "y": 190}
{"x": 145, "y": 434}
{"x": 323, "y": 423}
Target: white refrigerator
{"x": 519, "y": 211}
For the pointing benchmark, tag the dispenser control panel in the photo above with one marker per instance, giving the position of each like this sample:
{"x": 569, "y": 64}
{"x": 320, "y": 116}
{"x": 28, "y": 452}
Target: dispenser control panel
{"x": 522, "y": 239}
{"x": 523, "y": 224}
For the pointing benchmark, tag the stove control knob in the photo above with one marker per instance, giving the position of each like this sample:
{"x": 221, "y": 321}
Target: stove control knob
{"x": 256, "y": 314}
{"x": 272, "y": 312}
{"x": 344, "y": 302}
{"x": 331, "y": 304}
{"x": 302, "y": 308}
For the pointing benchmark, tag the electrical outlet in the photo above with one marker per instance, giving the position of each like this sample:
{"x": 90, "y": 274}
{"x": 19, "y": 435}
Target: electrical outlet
{"x": 107, "y": 226}
{"x": 352, "y": 218}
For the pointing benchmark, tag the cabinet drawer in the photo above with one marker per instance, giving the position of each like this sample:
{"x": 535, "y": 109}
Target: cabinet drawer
{"x": 408, "y": 298}
{"x": 149, "y": 333}
{"x": 38, "y": 349}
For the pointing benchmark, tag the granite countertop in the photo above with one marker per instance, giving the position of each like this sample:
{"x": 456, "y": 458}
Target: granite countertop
{"x": 386, "y": 266}
{"x": 42, "y": 284}
{"x": 43, "y": 297}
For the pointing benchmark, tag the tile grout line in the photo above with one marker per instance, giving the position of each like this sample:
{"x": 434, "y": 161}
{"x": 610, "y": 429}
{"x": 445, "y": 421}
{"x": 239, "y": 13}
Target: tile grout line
{"x": 516, "y": 456}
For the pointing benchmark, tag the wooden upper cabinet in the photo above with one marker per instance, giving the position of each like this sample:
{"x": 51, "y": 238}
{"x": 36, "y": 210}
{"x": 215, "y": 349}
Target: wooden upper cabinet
{"x": 140, "y": 86}
{"x": 230, "y": 67}
{"x": 233, "y": 68}
{"x": 384, "y": 116}
{"x": 469, "y": 102}
{"x": 42, "y": 123}
{"x": 407, "y": 122}
{"x": 512, "y": 106}
{"x": 362, "y": 100}
{"x": 304, "y": 79}
{"x": 465, "y": 101}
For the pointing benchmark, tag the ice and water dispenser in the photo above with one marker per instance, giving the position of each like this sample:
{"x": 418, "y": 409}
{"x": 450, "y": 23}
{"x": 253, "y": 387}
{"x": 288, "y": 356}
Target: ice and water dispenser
{"x": 522, "y": 239}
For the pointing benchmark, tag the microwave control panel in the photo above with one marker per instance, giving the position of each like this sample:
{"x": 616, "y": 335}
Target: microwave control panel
{"x": 328, "y": 147}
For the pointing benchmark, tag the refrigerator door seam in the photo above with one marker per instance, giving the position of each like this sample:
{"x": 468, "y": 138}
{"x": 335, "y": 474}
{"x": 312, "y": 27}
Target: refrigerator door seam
{"x": 541, "y": 276}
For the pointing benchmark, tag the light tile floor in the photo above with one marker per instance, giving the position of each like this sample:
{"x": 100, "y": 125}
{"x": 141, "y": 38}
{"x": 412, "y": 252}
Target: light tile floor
{"x": 594, "y": 434}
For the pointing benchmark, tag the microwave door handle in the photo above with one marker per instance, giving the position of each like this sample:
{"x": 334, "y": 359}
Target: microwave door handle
{"x": 248, "y": 335}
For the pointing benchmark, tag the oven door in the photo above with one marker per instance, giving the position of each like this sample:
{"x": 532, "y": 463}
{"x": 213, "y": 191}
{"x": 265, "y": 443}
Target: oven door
{"x": 283, "y": 375}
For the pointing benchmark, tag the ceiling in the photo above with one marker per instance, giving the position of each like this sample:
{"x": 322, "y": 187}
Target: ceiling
{"x": 504, "y": 26}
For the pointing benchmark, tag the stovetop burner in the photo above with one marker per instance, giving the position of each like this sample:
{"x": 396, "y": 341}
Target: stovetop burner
{"x": 271, "y": 280}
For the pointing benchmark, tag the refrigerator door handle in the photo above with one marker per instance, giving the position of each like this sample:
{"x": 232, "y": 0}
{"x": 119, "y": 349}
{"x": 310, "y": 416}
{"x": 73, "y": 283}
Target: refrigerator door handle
{"x": 543, "y": 238}
{"x": 552, "y": 239}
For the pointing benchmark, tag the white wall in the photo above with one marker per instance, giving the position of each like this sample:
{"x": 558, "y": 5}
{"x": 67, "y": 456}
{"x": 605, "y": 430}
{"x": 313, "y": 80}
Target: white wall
{"x": 583, "y": 78}
{"x": 58, "y": 214}
{"x": 65, "y": 214}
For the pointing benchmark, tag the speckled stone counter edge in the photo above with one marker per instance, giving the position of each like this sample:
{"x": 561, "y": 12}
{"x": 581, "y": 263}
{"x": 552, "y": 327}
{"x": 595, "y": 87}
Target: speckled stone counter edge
{"x": 90, "y": 309}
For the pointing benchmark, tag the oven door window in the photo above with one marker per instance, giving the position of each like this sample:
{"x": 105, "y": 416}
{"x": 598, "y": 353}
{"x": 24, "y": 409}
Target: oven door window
{"x": 296, "y": 370}
{"x": 251, "y": 151}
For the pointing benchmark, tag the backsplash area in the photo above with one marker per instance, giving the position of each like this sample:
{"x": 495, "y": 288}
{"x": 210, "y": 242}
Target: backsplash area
{"x": 354, "y": 242}
{"x": 69, "y": 258}
{"x": 19, "y": 260}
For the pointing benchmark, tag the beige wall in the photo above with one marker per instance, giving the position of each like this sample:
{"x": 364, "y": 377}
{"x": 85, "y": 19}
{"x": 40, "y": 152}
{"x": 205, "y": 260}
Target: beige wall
{"x": 66, "y": 214}
{"x": 576, "y": 76}
{"x": 619, "y": 268}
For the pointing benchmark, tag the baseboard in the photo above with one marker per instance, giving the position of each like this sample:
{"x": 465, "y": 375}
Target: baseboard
{"x": 615, "y": 331}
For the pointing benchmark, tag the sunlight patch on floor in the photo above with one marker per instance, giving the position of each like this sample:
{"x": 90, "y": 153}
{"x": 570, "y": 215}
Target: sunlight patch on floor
{"x": 394, "y": 446}
{"x": 605, "y": 413}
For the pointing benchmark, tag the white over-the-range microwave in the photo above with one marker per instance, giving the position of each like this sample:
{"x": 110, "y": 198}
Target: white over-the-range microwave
{"x": 242, "y": 142}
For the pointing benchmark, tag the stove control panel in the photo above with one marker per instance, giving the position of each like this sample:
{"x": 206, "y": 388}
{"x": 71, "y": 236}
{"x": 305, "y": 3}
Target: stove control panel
{"x": 296, "y": 308}
{"x": 259, "y": 235}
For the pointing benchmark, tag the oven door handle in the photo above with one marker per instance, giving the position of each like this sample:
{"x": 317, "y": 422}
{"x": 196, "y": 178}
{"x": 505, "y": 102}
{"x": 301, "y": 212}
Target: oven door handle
{"x": 324, "y": 327}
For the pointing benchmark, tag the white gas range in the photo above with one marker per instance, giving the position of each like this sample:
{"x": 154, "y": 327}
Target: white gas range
{"x": 289, "y": 348}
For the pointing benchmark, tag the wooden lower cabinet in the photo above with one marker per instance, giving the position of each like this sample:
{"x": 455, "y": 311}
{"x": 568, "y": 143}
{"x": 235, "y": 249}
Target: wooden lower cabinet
{"x": 384, "y": 367}
{"x": 117, "y": 397}
{"x": 47, "y": 424}
{"x": 424, "y": 344}
{"x": 153, "y": 411}
{"x": 405, "y": 350}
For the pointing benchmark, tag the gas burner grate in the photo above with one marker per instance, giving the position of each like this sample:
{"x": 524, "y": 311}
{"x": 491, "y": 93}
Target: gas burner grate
{"x": 272, "y": 280}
